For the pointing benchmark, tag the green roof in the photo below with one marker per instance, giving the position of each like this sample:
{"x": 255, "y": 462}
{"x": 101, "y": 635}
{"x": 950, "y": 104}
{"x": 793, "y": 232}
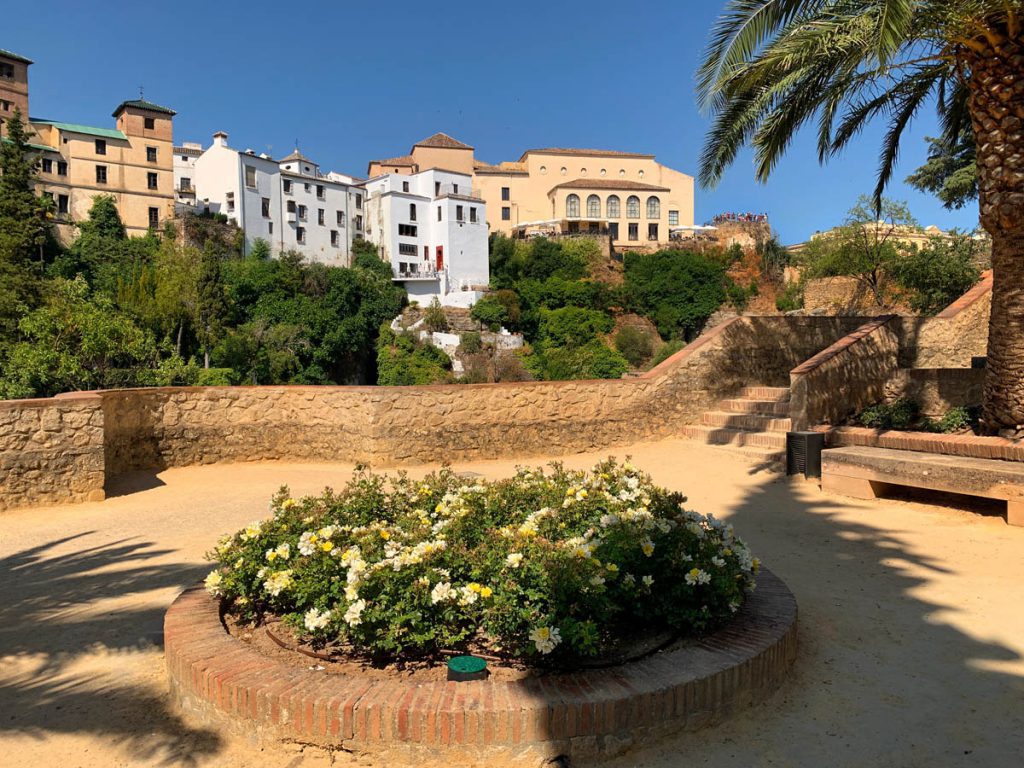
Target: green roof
{"x": 16, "y": 57}
{"x": 107, "y": 133}
{"x": 142, "y": 104}
{"x": 40, "y": 147}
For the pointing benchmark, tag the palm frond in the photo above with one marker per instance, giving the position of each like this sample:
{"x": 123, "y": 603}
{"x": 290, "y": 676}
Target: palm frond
{"x": 921, "y": 88}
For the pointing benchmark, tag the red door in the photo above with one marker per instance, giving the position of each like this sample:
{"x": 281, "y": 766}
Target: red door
{"x": 440, "y": 258}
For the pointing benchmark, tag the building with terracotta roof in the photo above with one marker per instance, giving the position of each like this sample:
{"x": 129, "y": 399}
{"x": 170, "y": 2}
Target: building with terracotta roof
{"x": 628, "y": 196}
{"x": 13, "y": 86}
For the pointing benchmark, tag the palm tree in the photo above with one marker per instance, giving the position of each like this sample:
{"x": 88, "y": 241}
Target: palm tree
{"x": 774, "y": 66}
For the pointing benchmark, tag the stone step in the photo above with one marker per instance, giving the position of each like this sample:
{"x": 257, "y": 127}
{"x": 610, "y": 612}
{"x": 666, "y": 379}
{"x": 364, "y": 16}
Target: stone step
{"x": 748, "y": 405}
{"x": 765, "y": 393}
{"x": 770, "y": 459}
{"x": 756, "y": 422}
{"x": 735, "y": 437}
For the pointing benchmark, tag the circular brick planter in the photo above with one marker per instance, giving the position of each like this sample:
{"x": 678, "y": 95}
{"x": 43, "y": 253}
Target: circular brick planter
{"x": 223, "y": 681}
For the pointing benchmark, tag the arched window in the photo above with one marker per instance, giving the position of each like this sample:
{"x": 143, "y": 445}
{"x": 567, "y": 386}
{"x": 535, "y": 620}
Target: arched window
{"x": 613, "y": 207}
{"x": 572, "y": 206}
{"x": 632, "y": 207}
{"x": 593, "y": 207}
{"x": 653, "y": 207}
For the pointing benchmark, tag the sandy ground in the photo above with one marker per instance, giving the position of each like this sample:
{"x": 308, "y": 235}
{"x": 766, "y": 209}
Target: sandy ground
{"x": 911, "y": 621}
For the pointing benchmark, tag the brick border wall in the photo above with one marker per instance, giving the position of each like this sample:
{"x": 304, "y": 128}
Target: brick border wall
{"x": 972, "y": 446}
{"x": 220, "y": 680}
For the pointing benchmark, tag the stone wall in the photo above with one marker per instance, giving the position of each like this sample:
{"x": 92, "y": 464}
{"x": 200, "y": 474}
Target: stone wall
{"x": 951, "y": 338}
{"x": 937, "y": 390}
{"x": 846, "y": 377}
{"x": 840, "y": 296}
{"x": 51, "y": 450}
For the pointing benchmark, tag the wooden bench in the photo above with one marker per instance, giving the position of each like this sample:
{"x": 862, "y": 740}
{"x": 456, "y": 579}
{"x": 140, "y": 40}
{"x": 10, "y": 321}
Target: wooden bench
{"x": 864, "y": 473}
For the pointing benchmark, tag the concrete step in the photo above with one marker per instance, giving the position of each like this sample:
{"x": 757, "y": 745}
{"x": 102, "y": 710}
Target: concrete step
{"x": 748, "y": 405}
{"x": 765, "y": 393}
{"x": 756, "y": 422}
{"x": 769, "y": 459}
{"x": 736, "y": 437}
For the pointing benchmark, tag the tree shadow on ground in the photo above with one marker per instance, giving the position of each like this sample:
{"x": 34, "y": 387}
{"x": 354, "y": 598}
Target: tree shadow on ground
{"x": 882, "y": 676}
{"x": 53, "y": 617}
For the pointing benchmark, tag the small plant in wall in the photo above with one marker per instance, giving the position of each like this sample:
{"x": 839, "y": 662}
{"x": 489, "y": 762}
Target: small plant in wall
{"x": 547, "y": 567}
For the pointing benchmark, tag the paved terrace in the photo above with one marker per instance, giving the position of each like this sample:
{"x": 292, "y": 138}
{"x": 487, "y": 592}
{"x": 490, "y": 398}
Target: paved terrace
{"x": 912, "y": 628}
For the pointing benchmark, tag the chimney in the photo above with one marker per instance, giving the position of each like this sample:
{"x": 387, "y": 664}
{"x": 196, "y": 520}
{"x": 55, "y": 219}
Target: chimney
{"x": 220, "y": 139}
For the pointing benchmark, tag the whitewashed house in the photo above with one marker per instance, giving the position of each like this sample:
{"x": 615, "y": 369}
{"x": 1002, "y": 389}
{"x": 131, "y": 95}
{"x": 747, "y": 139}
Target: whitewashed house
{"x": 289, "y": 202}
{"x": 184, "y": 165}
{"x": 432, "y": 228}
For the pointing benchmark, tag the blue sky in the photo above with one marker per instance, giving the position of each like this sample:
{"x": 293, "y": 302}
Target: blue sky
{"x": 357, "y": 80}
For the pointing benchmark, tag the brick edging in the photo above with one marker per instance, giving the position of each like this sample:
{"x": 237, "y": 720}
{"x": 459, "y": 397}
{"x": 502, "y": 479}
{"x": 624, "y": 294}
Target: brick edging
{"x": 979, "y": 289}
{"x": 841, "y": 345}
{"x": 223, "y": 681}
{"x": 970, "y": 446}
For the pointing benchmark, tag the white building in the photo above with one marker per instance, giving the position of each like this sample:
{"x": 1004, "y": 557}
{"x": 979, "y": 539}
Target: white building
{"x": 184, "y": 164}
{"x": 432, "y": 227}
{"x": 289, "y": 203}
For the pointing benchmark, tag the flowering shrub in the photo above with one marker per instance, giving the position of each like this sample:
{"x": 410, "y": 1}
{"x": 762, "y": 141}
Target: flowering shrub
{"x": 546, "y": 566}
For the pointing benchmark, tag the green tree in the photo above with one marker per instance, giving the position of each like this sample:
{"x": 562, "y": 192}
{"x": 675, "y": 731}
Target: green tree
{"x": 863, "y": 247}
{"x": 211, "y": 303}
{"x": 404, "y": 360}
{"x": 572, "y": 326}
{"x": 75, "y": 341}
{"x": 951, "y": 171}
{"x": 636, "y": 345}
{"x": 773, "y": 67}
{"x": 593, "y": 360}
{"x": 678, "y": 290}
{"x": 489, "y": 312}
{"x": 938, "y": 274}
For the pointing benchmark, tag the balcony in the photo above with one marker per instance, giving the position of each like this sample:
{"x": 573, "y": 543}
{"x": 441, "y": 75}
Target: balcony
{"x": 459, "y": 190}
{"x": 422, "y": 274}
{"x": 186, "y": 190}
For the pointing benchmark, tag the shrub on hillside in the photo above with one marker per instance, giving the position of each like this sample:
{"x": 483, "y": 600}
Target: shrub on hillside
{"x": 667, "y": 350}
{"x": 635, "y": 345}
{"x": 489, "y": 312}
{"x": 434, "y": 318}
{"x": 593, "y": 360}
{"x": 572, "y": 326}
{"x": 403, "y": 359}
{"x": 938, "y": 274}
{"x": 678, "y": 290}
{"x": 791, "y": 298}
{"x": 552, "y": 567}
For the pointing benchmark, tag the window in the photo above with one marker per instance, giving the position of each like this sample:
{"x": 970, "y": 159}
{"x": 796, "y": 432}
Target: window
{"x": 320, "y": 216}
{"x": 634, "y": 231}
{"x": 405, "y": 186}
{"x": 572, "y": 206}
{"x": 412, "y": 211}
{"x": 101, "y": 146}
{"x": 407, "y": 230}
{"x": 287, "y": 186}
{"x": 151, "y": 180}
{"x": 270, "y": 227}
{"x": 673, "y": 218}
{"x": 652, "y": 232}
{"x": 291, "y": 206}
{"x": 359, "y": 200}
{"x": 62, "y": 204}
{"x": 632, "y": 207}
{"x": 359, "y": 222}
{"x": 334, "y": 238}
{"x": 455, "y": 189}
{"x": 47, "y": 166}
{"x": 593, "y": 207}
{"x": 101, "y": 174}
{"x": 612, "y": 207}
{"x": 320, "y": 191}
{"x": 407, "y": 249}
{"x": 306, "y": 187}
{"x": 265, "y": 207}
{"x": 472, "y": 215}
{"x": 149, "y": 123}
{"x": 341, "y": 218}
{"x": 6, "y": 70}
{"x": 300, "y": 234}
{"x": 250, "y": 176}
{"x": 231, "y": 202}
{"x": 185, "y": 184}
{"x": 439, "y": 213}
{"x": 62, "y": 168}
{"x": 154, "y": 218}
{"x": 505, "y": 193}
{"x": 437, "y": 190}
{"x": 151, "y": 154}
{"x": 613, "y": 230}
{"x": 506, "y": 213}
{"x": 653, "y": 208}
{"x": 302, "y": 212}
{"x": 458, "y": 213}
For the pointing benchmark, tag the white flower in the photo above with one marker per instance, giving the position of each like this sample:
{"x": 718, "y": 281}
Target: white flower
{"x": 316, "y": 619}
{"x": 282, "y": 551}
{"x": 609, "y": 519}
{"x": 353, "y": 616}
{"x": 697, "y": 576}
{"x": 252, "y": 530}
{"x": 597, "y": 581}
{"x": 467, "y": 596}
{"x": 696, "y": 529}
{"x": 441, "y": 592}
{"x": 717, "y": 561}
{"x": 307, "y": 543}
{"x": 546, "y": 638}
{"x": 629, "y": 579}
{"x": 212, "y": 581}
{"x": 278, "y": 582}
{"x": 647, "y": 580}
{"x": 352, "y": 591}
{"x": 514, "y": 559}
{"x": 647, "y": 547}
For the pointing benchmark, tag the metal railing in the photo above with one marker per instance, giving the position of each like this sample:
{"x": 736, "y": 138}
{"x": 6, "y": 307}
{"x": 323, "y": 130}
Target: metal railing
{"x": 425, "y": 274}
{"x": 461, "y": 190}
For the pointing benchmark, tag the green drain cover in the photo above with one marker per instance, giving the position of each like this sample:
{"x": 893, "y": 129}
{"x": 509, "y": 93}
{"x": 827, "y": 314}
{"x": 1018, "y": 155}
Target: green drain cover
{"x": 464, "y": 668}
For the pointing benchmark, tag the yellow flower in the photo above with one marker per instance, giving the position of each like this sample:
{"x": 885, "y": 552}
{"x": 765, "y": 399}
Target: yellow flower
{"x": 271, "y": 556}
{"x": 288, "y": 503}
{"x": 486, "y": 591}
{"x": 583, "y": 494}
{"x": 595, "y": 561}
{"x": 612, "y": 568}
{"x": 326, "y": 546}
{"x": 385, "y": 535}
{"x": 570, "y": 492}
{"x": 474, "y": 587}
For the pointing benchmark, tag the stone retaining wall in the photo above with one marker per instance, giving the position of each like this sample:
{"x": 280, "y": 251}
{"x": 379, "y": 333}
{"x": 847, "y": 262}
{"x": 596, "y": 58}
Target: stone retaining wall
{"x": 227, "y": 683}
{"x": 937, "y": 390}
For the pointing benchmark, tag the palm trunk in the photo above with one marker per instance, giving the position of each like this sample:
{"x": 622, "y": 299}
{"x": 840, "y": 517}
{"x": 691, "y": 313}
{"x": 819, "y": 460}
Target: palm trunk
{"x": 997, "y": 112}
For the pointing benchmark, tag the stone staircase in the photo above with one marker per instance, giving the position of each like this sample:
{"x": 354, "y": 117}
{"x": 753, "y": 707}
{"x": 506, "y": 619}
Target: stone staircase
{"x": 753, "y": 424}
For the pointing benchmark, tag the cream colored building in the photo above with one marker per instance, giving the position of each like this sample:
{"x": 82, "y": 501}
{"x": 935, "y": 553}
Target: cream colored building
{"x": 631, "y": 197}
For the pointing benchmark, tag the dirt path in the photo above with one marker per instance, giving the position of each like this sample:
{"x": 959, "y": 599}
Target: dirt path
{"x": 912, "y": 621}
